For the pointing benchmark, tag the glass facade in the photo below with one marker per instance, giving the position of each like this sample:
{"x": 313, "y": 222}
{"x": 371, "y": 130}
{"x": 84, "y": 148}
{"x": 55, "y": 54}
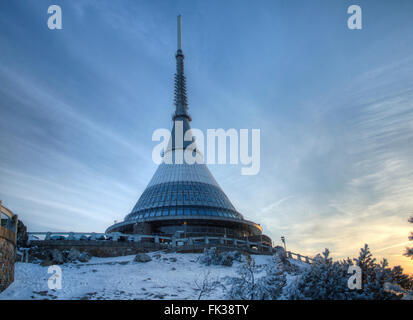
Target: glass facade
{"x": 183, "y": 193}
{"x": 181, "y": 211}
{"x": 181, "y": 173}
{"x": 185, "y": 198}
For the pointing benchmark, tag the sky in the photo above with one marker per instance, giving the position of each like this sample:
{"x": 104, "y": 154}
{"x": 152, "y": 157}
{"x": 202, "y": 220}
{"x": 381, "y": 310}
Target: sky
{"x": 334, "y": 106}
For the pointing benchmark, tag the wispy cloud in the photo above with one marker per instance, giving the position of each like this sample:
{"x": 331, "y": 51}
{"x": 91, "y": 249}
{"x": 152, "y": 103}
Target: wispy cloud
{"x": 372, "y": 202}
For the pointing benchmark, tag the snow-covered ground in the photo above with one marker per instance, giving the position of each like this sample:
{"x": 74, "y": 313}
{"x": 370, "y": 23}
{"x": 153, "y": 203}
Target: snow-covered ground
{"x": 122, "y": 278}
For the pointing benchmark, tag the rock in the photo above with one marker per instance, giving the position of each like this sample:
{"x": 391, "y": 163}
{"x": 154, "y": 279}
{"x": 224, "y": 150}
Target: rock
{"x": 172, "y": 259}
{"x": 38, "y": 253}
{"x": 84, "y": 257}
{"x": 73, "y": 255}
{"x": 213, "y": 256}
{"x": 157, "y": 256}
{"x": 226, "y": 260}
{"x": 57, "y": 257}
{"x": 142, "y": 257}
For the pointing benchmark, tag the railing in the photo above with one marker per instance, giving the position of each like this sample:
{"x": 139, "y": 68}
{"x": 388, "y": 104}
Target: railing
{"x": 173, "y": 243}
{"x": 299, "y": 257}
{"x": 195, "y": 243}
{"x": 93, "y": 236}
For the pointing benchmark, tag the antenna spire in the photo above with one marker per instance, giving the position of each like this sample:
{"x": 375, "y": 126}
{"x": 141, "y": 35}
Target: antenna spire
{"x": 181, "y": 103}
{"x": 179, "y": 32}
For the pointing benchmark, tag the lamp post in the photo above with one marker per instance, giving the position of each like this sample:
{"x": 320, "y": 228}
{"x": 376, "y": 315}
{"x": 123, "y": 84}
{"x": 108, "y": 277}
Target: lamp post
{"x": 283, "y": 241}
{"x": 185, "y": 228}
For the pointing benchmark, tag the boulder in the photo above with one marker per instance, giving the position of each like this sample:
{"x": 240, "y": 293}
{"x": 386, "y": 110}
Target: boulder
{"x": 84, "y": 257}
{"x": 57, "y": 257}
{"x": 73, "y": 255}
{"x": 226, "y": 259}
{"x": 38, "y": 253}
{"x": 211, "y": 256}
{"x": 142, "y": 257}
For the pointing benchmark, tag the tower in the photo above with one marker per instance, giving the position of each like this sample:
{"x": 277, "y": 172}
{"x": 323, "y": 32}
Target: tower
{"x": 185, "y": 198}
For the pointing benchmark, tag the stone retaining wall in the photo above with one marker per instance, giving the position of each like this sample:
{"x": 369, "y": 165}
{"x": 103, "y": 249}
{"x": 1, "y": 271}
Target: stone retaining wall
{"x": 7, "y": 256}
{"x": 98, "y": 248}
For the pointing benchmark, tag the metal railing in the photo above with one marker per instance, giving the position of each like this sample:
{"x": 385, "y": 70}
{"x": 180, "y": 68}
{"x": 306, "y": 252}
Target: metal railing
{"x": 173, "y": 243}
{"x": 94, "y": 236}
{"x": 299, "y": 257}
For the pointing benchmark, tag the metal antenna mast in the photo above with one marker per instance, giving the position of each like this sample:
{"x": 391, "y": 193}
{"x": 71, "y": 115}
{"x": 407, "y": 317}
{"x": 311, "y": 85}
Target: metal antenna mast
{"x": 179, "y": 32}
{"x": 181, "y": 102}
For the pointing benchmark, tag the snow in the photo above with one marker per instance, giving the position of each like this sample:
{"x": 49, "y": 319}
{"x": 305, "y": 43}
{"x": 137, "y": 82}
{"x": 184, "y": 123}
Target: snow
{"x": 122, "y": 278}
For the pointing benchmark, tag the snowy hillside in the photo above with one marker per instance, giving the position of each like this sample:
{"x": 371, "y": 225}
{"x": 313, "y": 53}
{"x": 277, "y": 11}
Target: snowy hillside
{"x": 167, "y": 276}
{"x": 211, "y": 275}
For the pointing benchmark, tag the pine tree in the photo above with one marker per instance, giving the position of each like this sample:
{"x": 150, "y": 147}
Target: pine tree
{"x": 366, "y": 262}
{"x": 375, "y": 286}
{"x": 324, "y": 280}
{"x": 246, "y": 287}
{"x": 403, "y": 280}
{"x": 409, "y": 251}
{"x": 375, "y": 276}
{"x": 270, "y": 286}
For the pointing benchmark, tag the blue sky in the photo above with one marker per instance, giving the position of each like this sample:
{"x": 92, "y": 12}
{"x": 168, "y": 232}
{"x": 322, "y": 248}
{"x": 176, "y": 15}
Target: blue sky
{"x": 78, "y": 107}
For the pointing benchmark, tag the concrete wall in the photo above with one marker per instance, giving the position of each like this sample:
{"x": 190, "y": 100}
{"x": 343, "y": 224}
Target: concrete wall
{"x": 7, "y": 254}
